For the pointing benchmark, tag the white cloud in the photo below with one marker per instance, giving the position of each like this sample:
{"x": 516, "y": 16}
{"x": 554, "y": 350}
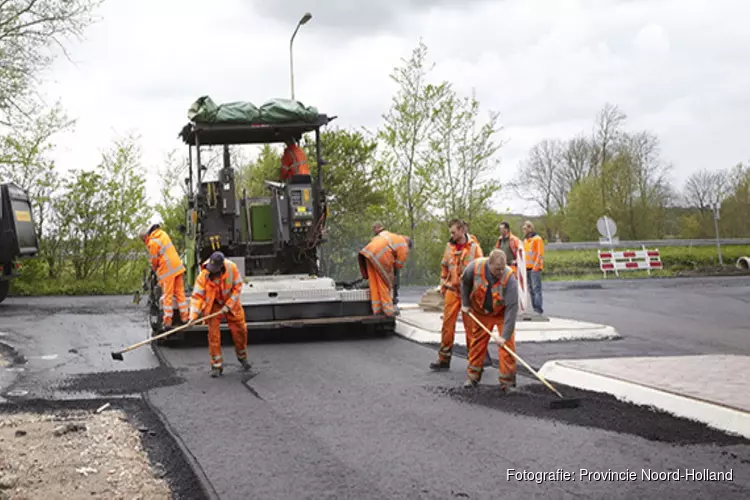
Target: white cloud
{"x": 677, "y": 68}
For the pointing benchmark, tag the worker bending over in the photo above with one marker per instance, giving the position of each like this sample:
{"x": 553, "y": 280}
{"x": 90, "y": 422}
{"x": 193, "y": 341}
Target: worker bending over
{"x": 218, "y": 288}
{"x": 459, "y": 252}
{"x": 533, "y": 248}
{"x": 166, "y": 263}
{"x": 509, "y": 243}
{"x": 490, "y": 292}
{"x": 378, "y": 262}
{"x": 293, "y": 161}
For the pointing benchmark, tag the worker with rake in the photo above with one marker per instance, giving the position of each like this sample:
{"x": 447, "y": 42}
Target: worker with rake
{"x": 217, "y": 289}
{"x": 489, "y": 295}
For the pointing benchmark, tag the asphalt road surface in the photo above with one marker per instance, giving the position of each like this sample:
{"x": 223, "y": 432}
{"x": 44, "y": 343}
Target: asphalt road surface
{"x": 366, "y": 419}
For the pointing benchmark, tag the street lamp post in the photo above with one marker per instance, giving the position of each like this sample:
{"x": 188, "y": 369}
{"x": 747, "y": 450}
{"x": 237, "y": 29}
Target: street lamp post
{"x": 302, "y": 21}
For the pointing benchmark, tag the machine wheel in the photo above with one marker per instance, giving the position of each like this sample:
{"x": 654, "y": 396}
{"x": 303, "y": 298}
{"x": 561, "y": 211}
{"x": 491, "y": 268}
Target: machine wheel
{"x": 155, "y": 315}
{"x": 4, "y": 287}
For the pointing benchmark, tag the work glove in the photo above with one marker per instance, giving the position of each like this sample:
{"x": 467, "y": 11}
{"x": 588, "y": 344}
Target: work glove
{"x": 465, "y": 309}
{"x": 225, "y": 309}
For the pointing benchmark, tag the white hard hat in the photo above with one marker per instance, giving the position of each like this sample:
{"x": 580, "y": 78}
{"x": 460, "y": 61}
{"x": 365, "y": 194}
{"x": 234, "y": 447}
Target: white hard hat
{"x": 145, "y": 231}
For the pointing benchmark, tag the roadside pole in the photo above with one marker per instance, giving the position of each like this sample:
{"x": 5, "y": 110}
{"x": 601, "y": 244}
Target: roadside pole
{"x": 716, "y": 228}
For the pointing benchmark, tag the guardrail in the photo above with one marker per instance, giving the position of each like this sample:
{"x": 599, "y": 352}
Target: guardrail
{"x": 595, "y": 245}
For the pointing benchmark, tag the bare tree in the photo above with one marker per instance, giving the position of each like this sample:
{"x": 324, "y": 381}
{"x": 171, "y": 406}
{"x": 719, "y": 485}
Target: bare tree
{"x": 705, "y": 188}
{"x": 540, "y": 177}
{"x": 576, "y": 158}
{"x": 607, "y": 133}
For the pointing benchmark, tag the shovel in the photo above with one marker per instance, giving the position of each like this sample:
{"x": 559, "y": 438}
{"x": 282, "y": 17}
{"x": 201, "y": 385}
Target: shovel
{"x": 563, "y": 402}
{"x": 118, "y": 354}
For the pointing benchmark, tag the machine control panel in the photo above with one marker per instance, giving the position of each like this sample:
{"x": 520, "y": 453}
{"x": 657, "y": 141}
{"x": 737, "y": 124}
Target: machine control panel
{"x": 301, "y": 204}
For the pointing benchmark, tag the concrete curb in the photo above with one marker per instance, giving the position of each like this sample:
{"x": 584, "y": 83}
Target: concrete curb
{"x": 723, "y": 418}
{"x": 413, "y": 331}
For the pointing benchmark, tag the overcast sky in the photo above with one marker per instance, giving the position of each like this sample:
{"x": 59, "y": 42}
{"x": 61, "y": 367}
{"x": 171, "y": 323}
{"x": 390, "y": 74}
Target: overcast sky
{"x": 677, "y": 68}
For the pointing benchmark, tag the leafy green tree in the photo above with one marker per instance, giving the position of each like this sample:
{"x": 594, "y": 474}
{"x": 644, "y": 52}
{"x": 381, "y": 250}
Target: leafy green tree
{"x": 125, "y": 207}
{"x": 734, "y": 220}
{"x": 406, "y": 132}
{"x": 29, "y": 30}
{"x": 172, "y": 205}
{"x": 250, "y": 176}
{"x": 463, "y": 156}
{"x": 25, "y": 161}
{"x": 351, "y": 179}
{"x": 584, "y": 208}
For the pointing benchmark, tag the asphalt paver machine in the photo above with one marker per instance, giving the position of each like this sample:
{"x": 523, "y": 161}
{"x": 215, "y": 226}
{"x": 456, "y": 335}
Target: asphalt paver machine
{"x": 274, "y": 240}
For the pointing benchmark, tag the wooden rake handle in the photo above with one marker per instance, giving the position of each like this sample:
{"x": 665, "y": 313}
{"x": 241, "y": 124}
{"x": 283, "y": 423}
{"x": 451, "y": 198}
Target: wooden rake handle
{"x": 170, "y": 332}
{"x": 516, "y": 356}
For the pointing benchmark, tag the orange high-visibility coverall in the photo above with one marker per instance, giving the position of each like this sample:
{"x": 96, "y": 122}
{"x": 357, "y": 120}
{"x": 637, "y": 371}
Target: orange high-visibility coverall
{"x": 294, "y": 162}
{"x": 377, "y": 261}
{"x": 169, "y": 270}
{"x": 533, "y": 248}
{"x": 210, "y": 296}
{"x": 514, "y": 243}
{"x": 477, "y": 290}
{"x": 454, "y": 262}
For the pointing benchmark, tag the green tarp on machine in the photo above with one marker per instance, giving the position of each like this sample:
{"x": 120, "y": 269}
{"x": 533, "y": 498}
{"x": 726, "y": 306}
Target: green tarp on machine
{"x": 205, "y": 110}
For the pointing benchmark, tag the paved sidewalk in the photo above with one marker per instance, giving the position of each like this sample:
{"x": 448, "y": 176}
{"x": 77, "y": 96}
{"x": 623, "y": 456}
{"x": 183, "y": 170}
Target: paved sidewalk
{"x": 424, "y": 326}
{"x": 708, "y": 388}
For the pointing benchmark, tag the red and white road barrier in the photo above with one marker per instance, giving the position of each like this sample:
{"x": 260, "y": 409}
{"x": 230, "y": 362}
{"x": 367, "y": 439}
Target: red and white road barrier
{"x": 629, "y": 260}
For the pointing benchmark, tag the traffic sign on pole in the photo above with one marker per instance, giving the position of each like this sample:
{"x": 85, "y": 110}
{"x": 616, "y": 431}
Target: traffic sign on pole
{"x": 608, "y": 229}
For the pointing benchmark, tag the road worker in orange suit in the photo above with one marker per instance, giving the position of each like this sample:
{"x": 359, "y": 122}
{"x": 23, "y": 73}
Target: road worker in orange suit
{"x": 533, "y": 249}
{"x": 378, "y": 262}
{"x": 218, "y": 288}
{"x": 166, "y": 263}
{"x": 509, "y": 243}
{"x": 293, "y": 161}
{"x": 459, "y": 252}
{"x": 490, "y": 291}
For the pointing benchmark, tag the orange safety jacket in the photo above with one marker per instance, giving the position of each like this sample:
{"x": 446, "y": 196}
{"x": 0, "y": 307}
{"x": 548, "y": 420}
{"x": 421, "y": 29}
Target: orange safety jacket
{"x": 386, "y": 252}
{"x": 165, "y": 261}
{"x": 224, "y": 291}
{"x": 533, "y": 248}
{"x": 514, "y": 243}
{"x": 294, "y": 162}
{"x": 455, "y": 261}
{"x": 480, "y": 289}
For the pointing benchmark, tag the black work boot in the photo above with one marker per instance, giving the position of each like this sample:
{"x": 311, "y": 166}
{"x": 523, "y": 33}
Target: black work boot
{"x": 216, "y": 371}
{"x": 439, "y": 366}
{"x": 245, "y": 364}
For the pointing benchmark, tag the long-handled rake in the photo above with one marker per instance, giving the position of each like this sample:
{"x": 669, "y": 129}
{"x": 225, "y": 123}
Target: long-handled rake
{"x": 117, "y": 355}
{"x": 563, "y": 402}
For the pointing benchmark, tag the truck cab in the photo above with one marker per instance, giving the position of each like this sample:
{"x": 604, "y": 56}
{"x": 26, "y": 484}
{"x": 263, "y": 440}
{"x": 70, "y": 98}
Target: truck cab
{"x": 17, "y": 233}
